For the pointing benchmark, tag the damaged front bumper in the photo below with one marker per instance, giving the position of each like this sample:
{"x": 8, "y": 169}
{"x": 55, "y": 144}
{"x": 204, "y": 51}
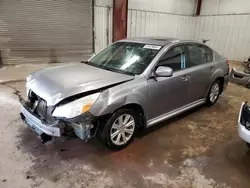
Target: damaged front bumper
{"x": 37, "y": 125}
{"x": 244, "y": 122}
{"x": 81, "y": 125}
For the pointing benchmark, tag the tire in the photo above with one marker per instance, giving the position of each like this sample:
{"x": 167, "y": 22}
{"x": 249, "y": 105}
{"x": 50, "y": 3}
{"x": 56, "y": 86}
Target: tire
{"x": 215, "y": 88}
{"x": 112, "y": 127}
{"x": 248, "y": 145}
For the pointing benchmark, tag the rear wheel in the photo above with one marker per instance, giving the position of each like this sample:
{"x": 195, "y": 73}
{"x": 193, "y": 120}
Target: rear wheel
{"x": 120, "y": 129}
{"x": 214, "y": 93}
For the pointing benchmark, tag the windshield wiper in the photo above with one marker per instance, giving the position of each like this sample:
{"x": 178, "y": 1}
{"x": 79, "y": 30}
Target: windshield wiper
{"x": 107, "y": 68}
{"x": 89, "y": 63}
{"x": 86, "y": 62}
{"x": 116, "y": 70}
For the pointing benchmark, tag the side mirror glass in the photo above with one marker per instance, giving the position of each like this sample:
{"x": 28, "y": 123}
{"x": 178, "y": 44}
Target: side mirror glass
{"x": 162, "y": 71}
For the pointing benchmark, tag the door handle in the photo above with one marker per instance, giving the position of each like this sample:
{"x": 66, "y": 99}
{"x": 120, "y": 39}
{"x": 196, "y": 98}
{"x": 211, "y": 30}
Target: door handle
{"x": 185, "y": 78}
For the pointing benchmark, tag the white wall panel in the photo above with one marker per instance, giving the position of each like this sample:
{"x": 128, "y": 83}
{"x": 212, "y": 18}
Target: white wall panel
{"x": 149, "y": 23}
{"x": 102, "y": 26}
{"x": 104, "y": 2}
{"x": 215, "y": 7}
{"x": 185, "y": 7}
{"x": 228, "y": 34}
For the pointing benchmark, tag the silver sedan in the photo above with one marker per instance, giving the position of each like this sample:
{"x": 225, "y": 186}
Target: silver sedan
{"x": 129, "y": 86}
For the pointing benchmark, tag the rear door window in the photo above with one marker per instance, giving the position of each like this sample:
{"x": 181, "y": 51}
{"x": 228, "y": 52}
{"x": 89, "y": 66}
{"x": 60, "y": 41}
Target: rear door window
{"x": 199, "y": 54}
{"x": 209, "y": 55}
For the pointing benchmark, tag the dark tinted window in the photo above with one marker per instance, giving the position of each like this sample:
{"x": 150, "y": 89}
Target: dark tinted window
{"x": 199, "y": 54}
{"x": 174, "y": 58}
{"x": 209, "y": 54}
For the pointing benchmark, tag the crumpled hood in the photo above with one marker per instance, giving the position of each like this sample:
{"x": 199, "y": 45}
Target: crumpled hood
{"x": 59, "y": 82}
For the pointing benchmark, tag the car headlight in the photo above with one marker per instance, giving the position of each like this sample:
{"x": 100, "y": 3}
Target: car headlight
{"x": 77, "y": 107}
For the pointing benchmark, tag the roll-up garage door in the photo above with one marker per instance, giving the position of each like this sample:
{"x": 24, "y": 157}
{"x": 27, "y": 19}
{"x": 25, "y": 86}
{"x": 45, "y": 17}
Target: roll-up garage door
{"x": 42, "y": 31}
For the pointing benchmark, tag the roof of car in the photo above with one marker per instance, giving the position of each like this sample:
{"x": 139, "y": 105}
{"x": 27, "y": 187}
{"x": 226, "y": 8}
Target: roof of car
{"x": 162, "y": 41}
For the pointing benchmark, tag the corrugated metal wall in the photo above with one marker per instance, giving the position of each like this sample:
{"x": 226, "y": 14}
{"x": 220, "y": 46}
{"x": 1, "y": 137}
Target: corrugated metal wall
{"x": 48, "y": 30}
{"x": 36, "y": 31}
{"x": 150, "y": 23}
{"x": 228, "y": 34}
{"x": 184, "y": 7}
{"x": 103, "y": 18}
{"x": 215, "y": 7}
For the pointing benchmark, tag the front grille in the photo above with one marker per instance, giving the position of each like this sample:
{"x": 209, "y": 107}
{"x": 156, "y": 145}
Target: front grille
{"x": 40, "y": 108}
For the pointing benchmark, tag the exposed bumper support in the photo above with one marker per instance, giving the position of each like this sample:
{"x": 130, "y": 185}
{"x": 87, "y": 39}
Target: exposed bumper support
{"x": 37, "y": 125}
{"x": 81, "y": 125}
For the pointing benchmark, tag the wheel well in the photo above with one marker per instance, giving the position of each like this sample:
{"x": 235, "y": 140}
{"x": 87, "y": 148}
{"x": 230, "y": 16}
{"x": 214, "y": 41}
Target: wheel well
{"x": 139, "y": 110}
{"x": 136, "y": 107}
{"x": 221, "y": 80}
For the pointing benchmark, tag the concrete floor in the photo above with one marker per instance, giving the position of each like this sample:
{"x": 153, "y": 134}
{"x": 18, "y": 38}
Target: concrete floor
{"x": 198, "y": 149}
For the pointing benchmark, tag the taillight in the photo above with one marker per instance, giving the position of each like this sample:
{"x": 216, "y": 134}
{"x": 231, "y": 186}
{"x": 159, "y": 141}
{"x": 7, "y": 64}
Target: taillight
{"x": 227, "y": 62}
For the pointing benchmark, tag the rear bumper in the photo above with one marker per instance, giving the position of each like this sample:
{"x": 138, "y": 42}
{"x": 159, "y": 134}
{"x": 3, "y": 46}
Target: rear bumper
{"x": 242, "y": 131}
{"x": 39, "y": 126}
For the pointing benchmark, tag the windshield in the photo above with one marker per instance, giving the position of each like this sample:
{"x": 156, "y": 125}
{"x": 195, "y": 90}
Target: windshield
{"x": 125, "y": 57}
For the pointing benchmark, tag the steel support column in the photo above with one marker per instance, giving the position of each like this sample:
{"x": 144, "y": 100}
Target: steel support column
{"x": 120, "y": 13}
{"x": 198, "y": 7}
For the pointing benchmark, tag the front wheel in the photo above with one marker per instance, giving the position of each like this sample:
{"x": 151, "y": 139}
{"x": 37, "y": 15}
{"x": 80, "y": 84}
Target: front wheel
{"x": 213, "y": 93}
{"x": 120, "y": 129}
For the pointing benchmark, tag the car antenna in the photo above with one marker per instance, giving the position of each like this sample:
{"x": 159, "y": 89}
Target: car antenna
{"x": 205, "y": 40}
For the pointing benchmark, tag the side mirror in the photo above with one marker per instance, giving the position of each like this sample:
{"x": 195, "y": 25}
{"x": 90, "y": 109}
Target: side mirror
{"x": 162, "y": 71}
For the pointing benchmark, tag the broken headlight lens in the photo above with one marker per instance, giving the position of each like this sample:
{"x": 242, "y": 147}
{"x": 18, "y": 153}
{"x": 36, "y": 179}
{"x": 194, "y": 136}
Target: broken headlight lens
{"x": 76, "y": 108}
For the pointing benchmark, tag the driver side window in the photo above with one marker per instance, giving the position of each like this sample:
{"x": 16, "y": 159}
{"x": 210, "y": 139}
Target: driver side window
{"x": 175, "y": 58}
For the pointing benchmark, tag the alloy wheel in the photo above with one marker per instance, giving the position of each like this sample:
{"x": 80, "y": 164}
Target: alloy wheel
{"x": 122, "y": 129}
{"x": 214, "y": 93}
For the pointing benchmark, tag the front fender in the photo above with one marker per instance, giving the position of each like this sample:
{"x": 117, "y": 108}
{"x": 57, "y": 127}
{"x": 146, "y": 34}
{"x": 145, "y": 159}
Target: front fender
{"x": 114, "y": 98}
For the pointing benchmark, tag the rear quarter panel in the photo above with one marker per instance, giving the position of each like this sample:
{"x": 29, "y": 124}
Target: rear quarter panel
{"x": 221, "y": 69}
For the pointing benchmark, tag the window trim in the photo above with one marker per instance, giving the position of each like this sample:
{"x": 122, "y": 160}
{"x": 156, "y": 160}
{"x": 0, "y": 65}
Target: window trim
{"x": 202, "y": 45}
{"x": 171, "y": 47}
{"x": 152, "y": 67}
{"x": 211, "y": 51}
